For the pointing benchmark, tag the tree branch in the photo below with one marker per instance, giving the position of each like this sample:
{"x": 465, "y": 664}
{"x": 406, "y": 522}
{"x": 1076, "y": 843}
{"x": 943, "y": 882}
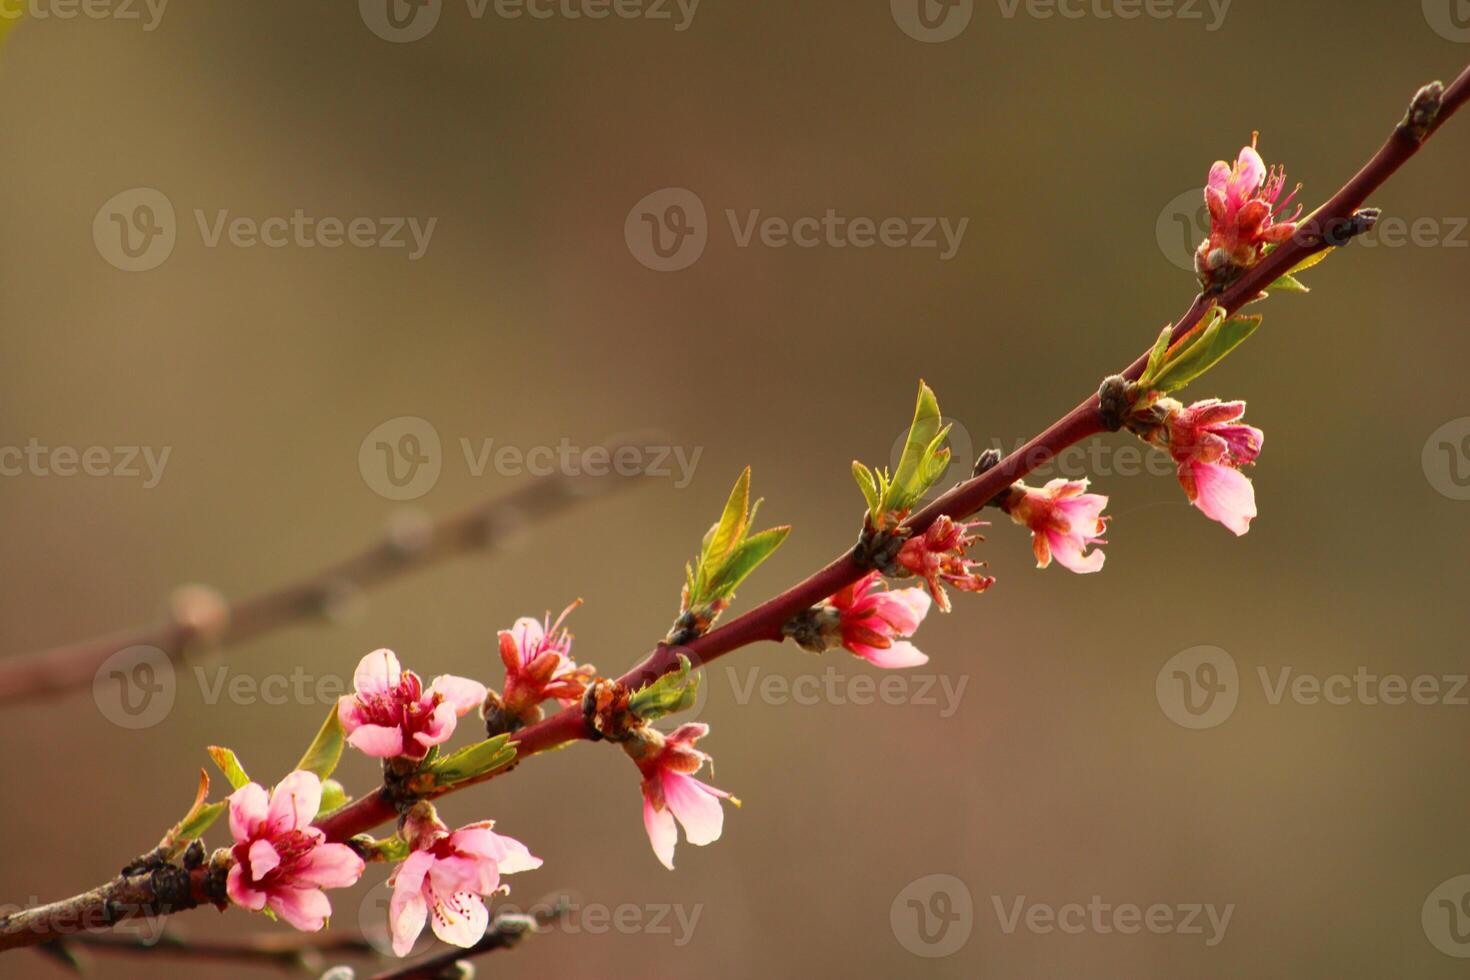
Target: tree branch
{"x": 52, "y": 672}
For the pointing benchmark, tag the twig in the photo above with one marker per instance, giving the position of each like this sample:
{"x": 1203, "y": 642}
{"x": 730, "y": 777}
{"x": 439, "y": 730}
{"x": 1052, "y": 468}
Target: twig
{"x": 288, "y": 950}
{"x": 505, "y": 932}
{"x": 56, "y": 671}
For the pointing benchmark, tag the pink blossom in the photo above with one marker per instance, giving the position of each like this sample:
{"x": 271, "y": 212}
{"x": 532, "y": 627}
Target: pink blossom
{"x": 1245, "y": 217}
{"x": 1210, "y": 444}
{"x": 670, "y": 791}
{"x": 1064, "y": 521}
{"x": 392, "y": 715}
{"x": 446, "y": 876}
{"x": 870, "y": 616}
{"x": 539, "y": 665}
{"x": 282, "y": 862}
{"x": 938, "y": 556}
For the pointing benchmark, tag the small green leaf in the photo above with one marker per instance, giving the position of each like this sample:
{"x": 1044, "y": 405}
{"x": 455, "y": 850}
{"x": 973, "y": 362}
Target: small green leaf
{"x": 869, "y": 486}
{"x": 392, "y": 849}
{"x": 196, "y": 824}
{"x": 912, "y": 477}
{"x": 674, "y": 691}
{"x": 748, "y": 556}
{"x": 733, "y": 522}
{"x": 334, "y": 797}
{"x": 228, "y": 765}
{"x": 1289, "y": 284}
{"x": 1312, "y": 261}
{"x": 1202, "y": 351}
{"x": 199, "y": 818}
{"x": 1157, "y": 355}
{"x": 473, "y": 760}
{"x": 325, "y": 750}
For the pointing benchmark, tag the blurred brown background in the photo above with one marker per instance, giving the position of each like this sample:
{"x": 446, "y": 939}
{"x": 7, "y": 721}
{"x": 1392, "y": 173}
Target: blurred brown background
{"x": 529, "y": 320}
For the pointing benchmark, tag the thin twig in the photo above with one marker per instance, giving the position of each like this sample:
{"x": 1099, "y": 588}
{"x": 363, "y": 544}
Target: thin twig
{"x": 62, "y": 669}
{"x": 288, "y": 950}
{"x": 505, "y": 932}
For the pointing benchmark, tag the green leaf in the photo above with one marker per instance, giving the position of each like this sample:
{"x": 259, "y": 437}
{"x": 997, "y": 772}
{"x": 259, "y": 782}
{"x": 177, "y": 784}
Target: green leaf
{"x": 674, "y": 691}
{"x": 473, "y": 760}
{"x": 748, "y": 556}
{"x": 199, "y": 818}
{"x": 197, "y": 823}
{"x": 393, "y": 849}
{"x": 1311, "y": 261}
{"x": 228, "y": 765}
{"x": 1157, "y": 355}
{"x": 325, "y": 750}
{"x": 869, "y": 486}
{"x": 914, "y": 474}
{"x": 1289, "y": 284}
{"x": 1200, "y": 352}
{"x": 733, "y": 522}
{"x": 334, "y": 797}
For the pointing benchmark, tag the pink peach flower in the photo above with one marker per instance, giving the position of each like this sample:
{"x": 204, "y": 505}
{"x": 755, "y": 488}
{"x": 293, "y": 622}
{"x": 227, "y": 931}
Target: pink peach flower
{"x": 1245, "y": 216}
{"x": 670, "y": 791}
{"x": 282, "y": 862}
{"x": 446, "y": 875}
{"x": 1064, "y": 522}
{"x": 539, "y": 665}
{"x": 870, "y": 616}
{"x": 1210, "y": 444}
{"x": 938, "y": 556}
{"x": 392, "y": 715}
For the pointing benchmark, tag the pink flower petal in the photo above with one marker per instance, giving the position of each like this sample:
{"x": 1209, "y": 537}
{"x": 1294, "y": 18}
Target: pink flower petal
{"x": 241, "y": 892}
{"x": 528, "y": 634}
{"x": 305, "y": 908}
{"x": 248, "y": 808}
{"x": 460, "y": 919}
{"x": 905, "y": 609}
{"x": 294, "y": 802}
{"x": 1068, "y": 550}
{"x": 439, "y": 727}
{"x": 1225, "y": 495}
{"x": 696, "y": 806}
{"x": 688, "y": 733}
{"x": 350, "y": 713}
{"x": 407, "y": 914}
{"x": 464, "y": 694}
{"x": 329, "y": 866}
{"x": 898, "y": 655}
{"x": 661, "y": 832}
{"x": 377, "y": 673}
{"x": 377, "y": 741}
{"x": 263, "y": 859}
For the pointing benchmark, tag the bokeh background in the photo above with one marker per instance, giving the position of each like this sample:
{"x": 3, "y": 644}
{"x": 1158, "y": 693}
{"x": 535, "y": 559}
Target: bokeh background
{"x": 1067, "y": 144}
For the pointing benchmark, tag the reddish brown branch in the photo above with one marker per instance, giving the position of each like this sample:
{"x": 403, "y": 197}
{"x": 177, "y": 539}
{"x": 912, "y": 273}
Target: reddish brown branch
{"x": 63, "y": 669}
{"x": 764, "y": 622}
